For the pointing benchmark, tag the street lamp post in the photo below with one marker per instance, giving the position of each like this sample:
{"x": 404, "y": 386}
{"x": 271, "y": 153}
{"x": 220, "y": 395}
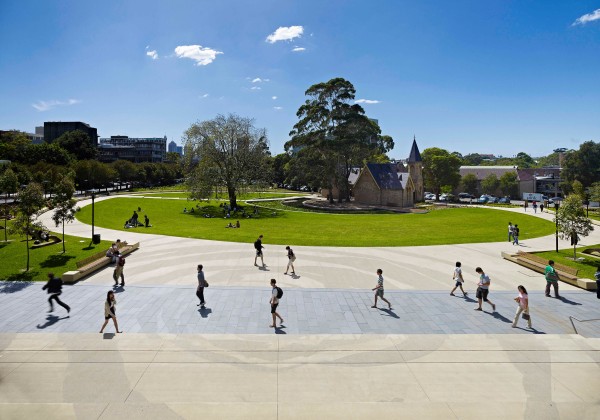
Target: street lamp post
{"x": 556, "y": 206}
{"x": 93, "y": 198}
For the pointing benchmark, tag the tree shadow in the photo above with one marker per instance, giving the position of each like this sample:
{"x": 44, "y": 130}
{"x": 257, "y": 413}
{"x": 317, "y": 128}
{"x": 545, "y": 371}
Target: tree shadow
{"x": 50, "y": 320}
{"x": 56, "y": 261}
{"x": 14, "y": 286}
{"x": 23, "y": 276}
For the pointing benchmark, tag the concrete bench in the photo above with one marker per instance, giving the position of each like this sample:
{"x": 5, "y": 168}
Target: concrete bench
{"x": 565, "y": 274}
{"x": 94, "y": 263}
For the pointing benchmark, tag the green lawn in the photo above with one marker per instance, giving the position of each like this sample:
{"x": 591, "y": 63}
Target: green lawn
{"x": 44, "y": 260}
{"x": 586, "y": 268}
{"x": 240, "y": 197}
{"x": 448, "y": 226}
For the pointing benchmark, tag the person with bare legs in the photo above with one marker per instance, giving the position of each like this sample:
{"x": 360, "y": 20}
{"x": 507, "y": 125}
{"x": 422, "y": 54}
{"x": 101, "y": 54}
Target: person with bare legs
{"x": 483, "y": 288}
{"x": 258, "y": 247}
{"x": 379, "y": 290}
{"x": 276, "y": 294}
{"x": 458, "y": 279}
{"x": 291, "y": 259}
{"x": 110, "y": 311}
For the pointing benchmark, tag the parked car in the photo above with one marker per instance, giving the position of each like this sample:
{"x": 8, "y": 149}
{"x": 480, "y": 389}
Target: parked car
{"x": 492, "y": 199}
{"x": 465, "y": 196}
{"x": 483, "y": 199}
{"x": 429, "y": 196}
{"x": 504, "y": 200}
{"x": 447, "y": 197}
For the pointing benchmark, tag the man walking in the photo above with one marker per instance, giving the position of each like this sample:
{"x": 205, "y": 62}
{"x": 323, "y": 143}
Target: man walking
{"x": 258, "y": 247}
{"x": 202, "y": 283}
{"x": 457, "y": 277}
{"x": 551, "y": 279}
{"x": 483, "y": 288}
{"x": 379, "y": 290}
{"x": 291, "y": 259}
{"x": 119, "y": 270}
{"x": 54, "y": 287}
{"x": 510, "y": 232}
{"x": 516, "y": 235}
{"x": 276, "y": 294}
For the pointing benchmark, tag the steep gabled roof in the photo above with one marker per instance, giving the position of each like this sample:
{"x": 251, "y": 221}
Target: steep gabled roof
{"x": 385, "y": 176}
{"x": 414, "y": 156}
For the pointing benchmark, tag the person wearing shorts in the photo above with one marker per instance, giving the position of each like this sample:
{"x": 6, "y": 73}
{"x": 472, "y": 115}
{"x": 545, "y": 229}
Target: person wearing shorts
{"x": 457, "y": 277}
{"x": 258, "y": 247}
{"x": 274, "y": 301}
{"x": 483, "y": 289}
{"x": 379, "y": 290}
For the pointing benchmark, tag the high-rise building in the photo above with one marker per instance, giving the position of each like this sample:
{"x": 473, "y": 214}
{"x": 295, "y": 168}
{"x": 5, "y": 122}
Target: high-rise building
{"x": 152, "y": 149}
{"x": 55, "y": 129}
{"x": 173, "y": 148}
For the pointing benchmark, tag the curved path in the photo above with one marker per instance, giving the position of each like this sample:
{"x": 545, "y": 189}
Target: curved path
{"x": 172, "y": 260}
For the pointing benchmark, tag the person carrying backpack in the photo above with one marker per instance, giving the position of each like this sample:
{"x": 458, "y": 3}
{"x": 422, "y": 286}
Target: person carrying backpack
{"x": 258, "y": 247}
{"x": 276, "y": 295}
{"x": 119, "y": 270}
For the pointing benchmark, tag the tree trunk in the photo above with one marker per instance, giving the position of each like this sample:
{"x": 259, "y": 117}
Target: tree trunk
{"x": 574, "y": 252}
{"x": 5, "y": 218}
{"x": 27, "y": 240}
{"x": 232, "y": 197}
{"x": 63, "y": 238}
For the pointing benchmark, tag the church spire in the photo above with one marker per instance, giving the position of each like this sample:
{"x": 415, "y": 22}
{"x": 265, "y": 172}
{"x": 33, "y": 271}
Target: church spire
{"x": 414, "y": 156}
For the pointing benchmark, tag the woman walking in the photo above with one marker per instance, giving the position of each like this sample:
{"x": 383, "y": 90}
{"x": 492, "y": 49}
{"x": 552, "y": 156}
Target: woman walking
{"x": 291, "y": 259}
{"x": 110, "y": 311}
{"x": 523, "y": 307}
{"x": 202, "y": 283}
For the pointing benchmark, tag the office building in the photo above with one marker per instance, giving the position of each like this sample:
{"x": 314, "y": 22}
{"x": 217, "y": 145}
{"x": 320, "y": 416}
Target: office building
{"x": 152, "y": 149}
{"x": 55, "y": 129}
{"x": 173, "y": 148}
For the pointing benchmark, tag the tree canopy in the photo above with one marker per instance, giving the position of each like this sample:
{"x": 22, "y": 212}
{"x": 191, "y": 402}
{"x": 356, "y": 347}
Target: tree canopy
{"x": 572, "y": 221}
{"x": 583, "y": 164}
{"x": 440, "y": 168}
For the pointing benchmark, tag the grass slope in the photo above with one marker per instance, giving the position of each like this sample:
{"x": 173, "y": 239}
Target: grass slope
{"x": 449, "y": 226}
{"x": 587, "y": 268}
{"x": 13, "y": 257}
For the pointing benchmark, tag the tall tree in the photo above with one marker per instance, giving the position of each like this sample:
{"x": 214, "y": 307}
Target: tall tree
{"x": 509, "y": 184}
{"x": 571, "y": 220}
{"x": 64, "y": 204}
{"x": 583, "y": 164}
{"x": 231, "y": 152}
{"x": 440, "y": 168}
{"x": 594, "y": 191}
{"x": 469, "y": 183}
{"x": 8, "y": 185}
{"x": 79, "y": 144}
{"x": 490, "y": 184}
{"x": 336, "y": 133}
{"x": 30, "y": 201}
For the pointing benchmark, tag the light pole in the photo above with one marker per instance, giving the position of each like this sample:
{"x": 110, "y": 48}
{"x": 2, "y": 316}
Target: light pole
{"x": 93, "y": 198}
{"x": 556, "y": 206}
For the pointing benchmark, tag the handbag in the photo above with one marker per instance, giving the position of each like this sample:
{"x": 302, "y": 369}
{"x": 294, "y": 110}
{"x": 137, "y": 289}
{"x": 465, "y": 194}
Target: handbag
{"x": 526, "y": 316}
{"x": 205, "y": 283}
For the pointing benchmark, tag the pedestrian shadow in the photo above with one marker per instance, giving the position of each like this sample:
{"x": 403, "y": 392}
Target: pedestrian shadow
{"x": 14, "y": 286}
{"x": 204, "y": 312}
{"x": 530, "y": 330}
{"x": 570, "y": 302}
{"x": 263, "y": 268}
{"x": 295, "y": 276}
{"x": 500, "y": 317}
{"x": 51, "y": 320}
{"x": 389, "y": 312}
{"x": 117, "y": 288}
{"x": 279, "y": 330}
{"x": 108, "y": 336}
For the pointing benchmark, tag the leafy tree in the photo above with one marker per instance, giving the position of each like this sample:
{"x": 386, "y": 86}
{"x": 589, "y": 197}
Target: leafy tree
{"x": 472, "y": 159}
{"x": 594, "y": 191}
{"x": 64, "y": 204}
{"x": 93, "y": 174}
{"x": 523, "y": 160}
{"x": 278, "y": 165}
{"x": 572, "y": 222}
{"x": 583, "y": 164}
{"x": 440, "y": 168}
{"x": 79, "y": 144}
{"x": 126, "y": 170}
{"x": 550, "y": 160}
{"x": 12, "y": 144}
{"x": 231, "y": 152}
{"x": 469, "y": 183}
{"x": 8, "y": 185}
{"x": 335, "y": 132}
{"x": 509, "y": 184}
{"x": 578, "y": 188}
{"x": 490, "y": 184}
{"x": 31, "y": 200}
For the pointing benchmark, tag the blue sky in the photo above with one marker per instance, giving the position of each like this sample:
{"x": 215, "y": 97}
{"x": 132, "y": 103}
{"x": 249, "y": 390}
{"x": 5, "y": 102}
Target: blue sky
{"x": 494, "y": 76}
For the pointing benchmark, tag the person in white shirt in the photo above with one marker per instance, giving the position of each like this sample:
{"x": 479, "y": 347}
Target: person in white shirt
{"x": 457, "y": 277}
{"x": 483, "y": 288}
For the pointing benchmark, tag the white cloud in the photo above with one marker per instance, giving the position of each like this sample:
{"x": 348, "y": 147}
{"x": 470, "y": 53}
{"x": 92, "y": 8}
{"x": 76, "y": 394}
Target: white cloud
{"x": 273, "y": 97}
{"x": 204, "y": 96}
{"x": 366, "y": 101}
{"x": 285, "y": 33}
{"x": 297, "y": 49}
{"x": 259, "y": 80}
{"x": 277, "y": 108}
{"x": 201, "y": 55}
{"x": 152, "y": 54}
{"x": 590, "y": 17}
{"x": 47, "y": 105}
{"x": 255, "y": 88}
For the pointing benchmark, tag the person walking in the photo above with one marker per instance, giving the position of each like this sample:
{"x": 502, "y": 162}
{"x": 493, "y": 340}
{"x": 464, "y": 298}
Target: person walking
{"x": 146, "y": 220}
{"x": 541, "y": 207}
{"x": 483, "y": 289}
{"x": 551, "y": 279}
{"x": 510, "y": 231}
{"x": 597, "y": 276}
{"x": 534, "y": 205}
{"x": 379, "y": 290}
{"x": 516, "y": 235}
{"x": 276, "y": 295}
{"x": 457, "y": 277}
{"x": 522, "y": 307}
{"x": 118, "y": 272}
{"x": 291, "y": 259}
{"x": 110, "y": 311}
{"x": 258, "y": 247}
{"x": 525, "y": 204}
{"x": 202, "y": 283}
{"x": 54, "y": 287}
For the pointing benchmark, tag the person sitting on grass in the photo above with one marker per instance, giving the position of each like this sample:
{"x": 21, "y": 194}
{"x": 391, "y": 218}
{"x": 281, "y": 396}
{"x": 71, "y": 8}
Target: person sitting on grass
{"x": 237, "y": 224}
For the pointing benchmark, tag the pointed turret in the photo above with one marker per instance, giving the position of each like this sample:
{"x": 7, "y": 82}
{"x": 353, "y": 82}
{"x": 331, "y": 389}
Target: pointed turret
{"x": 414, "y": 156}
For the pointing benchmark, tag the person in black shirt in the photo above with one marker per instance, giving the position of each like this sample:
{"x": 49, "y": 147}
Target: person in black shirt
{"x": 54, "y": 287}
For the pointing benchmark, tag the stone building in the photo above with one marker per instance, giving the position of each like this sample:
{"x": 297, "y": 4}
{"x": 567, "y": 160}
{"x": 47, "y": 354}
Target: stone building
{"x": 391, "y": 184}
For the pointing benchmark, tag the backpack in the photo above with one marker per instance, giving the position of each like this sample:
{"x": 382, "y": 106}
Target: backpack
{"x": 279, "y": 293}
{"x": 257, "y": 245}
{"x": 121, "y": 261}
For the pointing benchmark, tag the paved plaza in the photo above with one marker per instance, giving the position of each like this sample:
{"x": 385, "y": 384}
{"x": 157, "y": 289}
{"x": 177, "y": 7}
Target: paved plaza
{"x": 432, "y": 356}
